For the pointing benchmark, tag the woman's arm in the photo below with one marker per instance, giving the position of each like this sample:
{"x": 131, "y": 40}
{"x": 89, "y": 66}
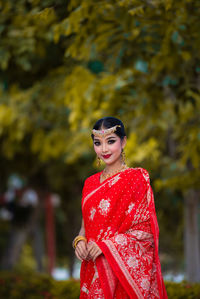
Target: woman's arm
{"x": 82, "y": 230}
{"x": 81, "y": 247}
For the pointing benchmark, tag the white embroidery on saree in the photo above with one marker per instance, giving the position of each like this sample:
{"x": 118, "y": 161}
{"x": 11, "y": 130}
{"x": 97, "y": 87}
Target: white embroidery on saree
{"x": 104, "y": 234}
{"x": 104, "y": 206}
{"x": 121, "y": 240}
{"x": 142, "y": 212}
{"x": 141, "y": 235}
{"x": 96, "y": 275}
{"x": 114, "y": 180}
{"x": 130, "y": 207}
{"x": 154, "y": 284}
{"x": 92, "y": 213}
{"x": 84, "y": 288}
{"x": 95, "y": 291}
{"x": 132, "y": 262}
{"x": 145, "y": 284}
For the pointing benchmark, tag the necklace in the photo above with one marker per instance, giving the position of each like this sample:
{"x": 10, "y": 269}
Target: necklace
{"x": 107, "y": 175}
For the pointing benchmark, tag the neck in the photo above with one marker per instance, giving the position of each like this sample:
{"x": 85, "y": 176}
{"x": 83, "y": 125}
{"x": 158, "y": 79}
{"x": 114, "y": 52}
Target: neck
{"x": 114, "y": 167}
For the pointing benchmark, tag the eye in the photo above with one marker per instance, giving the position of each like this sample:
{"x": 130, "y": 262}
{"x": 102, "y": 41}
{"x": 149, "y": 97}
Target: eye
{"x": 111, "y": 141}
{"x": 97, "y": 143}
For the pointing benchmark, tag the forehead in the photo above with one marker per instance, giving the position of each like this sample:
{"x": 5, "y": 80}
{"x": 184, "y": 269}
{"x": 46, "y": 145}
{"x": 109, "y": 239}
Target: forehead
{"x": 111, "y": 135}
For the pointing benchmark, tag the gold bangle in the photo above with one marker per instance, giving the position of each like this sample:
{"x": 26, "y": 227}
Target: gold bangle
{"x": 77, "y": 239}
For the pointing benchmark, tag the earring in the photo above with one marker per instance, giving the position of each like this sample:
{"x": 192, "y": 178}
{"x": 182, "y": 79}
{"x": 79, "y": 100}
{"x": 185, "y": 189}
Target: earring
{"x": 123, "y": 157}
{"x": 98, "y": 161}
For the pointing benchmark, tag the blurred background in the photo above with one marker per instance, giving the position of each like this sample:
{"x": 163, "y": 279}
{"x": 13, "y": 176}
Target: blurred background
{"x": 65, "y": 64}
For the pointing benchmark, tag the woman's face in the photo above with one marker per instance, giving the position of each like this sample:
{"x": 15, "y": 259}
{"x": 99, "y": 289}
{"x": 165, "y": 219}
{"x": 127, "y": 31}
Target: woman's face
{"x": 109, "y": 148}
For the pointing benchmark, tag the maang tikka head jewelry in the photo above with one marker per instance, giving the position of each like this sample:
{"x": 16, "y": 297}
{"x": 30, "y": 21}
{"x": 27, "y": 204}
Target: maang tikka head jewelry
{"x": 105, "y": 132}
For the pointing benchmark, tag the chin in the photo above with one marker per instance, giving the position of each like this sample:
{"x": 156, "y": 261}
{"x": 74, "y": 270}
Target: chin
{"x": 110, "y": 162}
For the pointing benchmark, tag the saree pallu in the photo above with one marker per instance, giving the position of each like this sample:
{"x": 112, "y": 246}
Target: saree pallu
{"x": 119, "y": 215}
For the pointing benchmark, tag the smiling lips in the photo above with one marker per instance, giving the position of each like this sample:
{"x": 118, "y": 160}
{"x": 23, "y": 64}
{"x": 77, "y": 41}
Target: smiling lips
{"x": 106, "y": 156}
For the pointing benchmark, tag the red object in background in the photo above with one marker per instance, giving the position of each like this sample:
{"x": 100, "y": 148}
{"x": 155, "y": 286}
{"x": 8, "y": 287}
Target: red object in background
{"x": 2, "y": 199}
{"x": 50, "y": 233}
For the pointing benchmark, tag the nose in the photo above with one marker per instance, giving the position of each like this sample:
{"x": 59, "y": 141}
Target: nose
{"x": 104, "y": 147}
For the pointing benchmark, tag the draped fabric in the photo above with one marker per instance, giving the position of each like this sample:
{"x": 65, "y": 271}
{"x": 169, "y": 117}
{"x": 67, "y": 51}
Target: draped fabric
{"x": 119, "y": 215}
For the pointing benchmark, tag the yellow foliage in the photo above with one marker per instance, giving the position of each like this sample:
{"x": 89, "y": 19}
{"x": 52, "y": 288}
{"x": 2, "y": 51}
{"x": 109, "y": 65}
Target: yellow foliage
{"x": 186, "y": 55}
{"x": 37, "y": 141}
{"x": 49, "y": 145}
{"x": 137, "y": 153}
{"x": 168, "y": 4}
{"x": 136, "y": 11}
{"x": 6, "y": 116}
{"x": 80, "y": 143}
{"x": 79, "y": 86}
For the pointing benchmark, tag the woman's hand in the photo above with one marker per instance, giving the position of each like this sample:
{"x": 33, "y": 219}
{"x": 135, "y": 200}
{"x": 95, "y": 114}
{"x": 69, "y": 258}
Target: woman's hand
{"x": 93, "y": 250}
{"x": 81, "y": 250}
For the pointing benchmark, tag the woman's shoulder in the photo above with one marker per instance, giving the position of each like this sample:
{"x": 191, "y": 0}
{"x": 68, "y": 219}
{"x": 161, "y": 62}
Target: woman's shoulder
{"x": 89, "y": 183}
{"x": 92, "y": 177}
{"x": 138, "y": 172}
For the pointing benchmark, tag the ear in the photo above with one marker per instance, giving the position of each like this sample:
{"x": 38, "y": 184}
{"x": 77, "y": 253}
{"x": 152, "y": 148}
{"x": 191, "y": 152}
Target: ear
{"x": 124, "y": 141}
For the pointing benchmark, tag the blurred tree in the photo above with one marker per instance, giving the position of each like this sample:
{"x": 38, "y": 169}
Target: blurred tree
{"x": 34, "y": 121}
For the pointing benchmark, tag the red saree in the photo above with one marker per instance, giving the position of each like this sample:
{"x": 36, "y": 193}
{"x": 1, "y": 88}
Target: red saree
{"x": 119, "y": 215}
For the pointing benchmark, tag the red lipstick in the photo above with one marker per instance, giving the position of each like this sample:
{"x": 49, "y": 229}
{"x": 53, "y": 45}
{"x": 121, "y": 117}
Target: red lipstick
{"x": 106, "y": 156}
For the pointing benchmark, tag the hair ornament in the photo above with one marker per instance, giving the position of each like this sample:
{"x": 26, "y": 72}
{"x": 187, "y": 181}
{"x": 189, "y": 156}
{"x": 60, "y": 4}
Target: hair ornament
{"x": 105, "y": 132}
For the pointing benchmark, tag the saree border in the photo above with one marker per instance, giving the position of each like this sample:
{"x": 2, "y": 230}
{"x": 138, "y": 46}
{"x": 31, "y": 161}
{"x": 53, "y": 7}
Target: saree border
{"x": 91, "y": 193}
{"x": 107, "y": 277}
{"x": 155, "y": 230}
{"x": 120, "y": 269}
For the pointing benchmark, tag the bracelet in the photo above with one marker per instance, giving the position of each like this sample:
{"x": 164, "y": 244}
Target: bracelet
{"x": 77, "y": 239}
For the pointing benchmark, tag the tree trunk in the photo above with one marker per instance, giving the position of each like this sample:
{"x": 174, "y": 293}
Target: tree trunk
{"x": 192, "y": 248}
{"x": 71, "y": 263}
{"x": 16, "y": 241}
{"x": 38, "y": 247}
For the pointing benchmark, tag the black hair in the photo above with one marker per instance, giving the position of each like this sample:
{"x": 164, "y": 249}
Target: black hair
{"x": 109, "y": 122}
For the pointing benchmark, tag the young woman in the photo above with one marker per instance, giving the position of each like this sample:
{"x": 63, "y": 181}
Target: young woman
{"x": 118, "y": 240}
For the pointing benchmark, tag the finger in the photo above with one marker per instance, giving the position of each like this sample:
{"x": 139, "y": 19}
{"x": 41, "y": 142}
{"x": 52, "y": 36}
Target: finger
{"x": 82, "y": 244}
{"x": 82, "y": 249}
{"x": 97, "y": 252}
{"x": 81, "y": 252}
{"x": 92, "y": 250}
{"x": 93, "y": 253}
{"x": 78, "y": 251}
{"x": 91, "y": 246}
{"x": 78, "y": 256}
{"x": 96, "y": 255}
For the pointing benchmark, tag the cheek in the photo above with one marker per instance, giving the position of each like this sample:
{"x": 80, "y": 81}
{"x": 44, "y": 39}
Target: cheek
{"x": 116, "y": 147}
{"x": 97, "y": 149}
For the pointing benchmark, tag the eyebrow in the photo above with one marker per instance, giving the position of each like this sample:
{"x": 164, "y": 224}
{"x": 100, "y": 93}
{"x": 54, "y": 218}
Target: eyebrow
{"x": 111, "y": 137}
{"x": 108, "y": 138}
